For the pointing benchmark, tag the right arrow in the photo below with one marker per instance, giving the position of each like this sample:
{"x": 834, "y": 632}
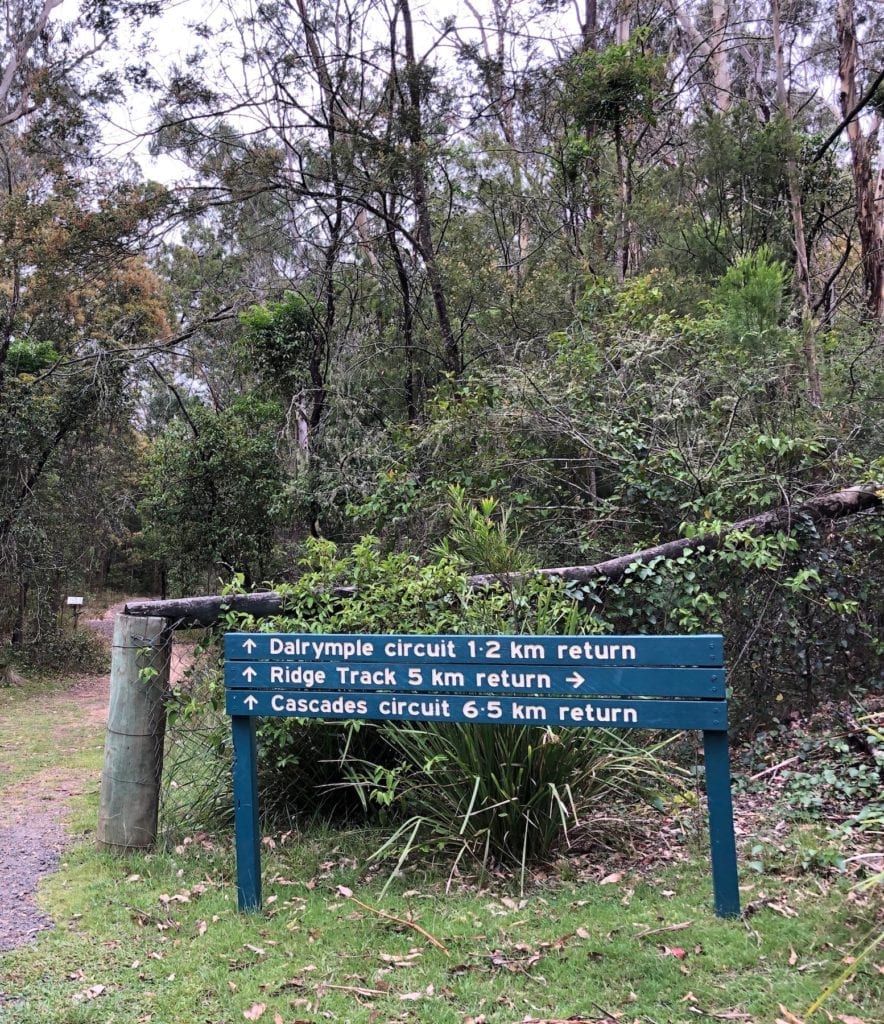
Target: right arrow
{"x": 576, "y": 679}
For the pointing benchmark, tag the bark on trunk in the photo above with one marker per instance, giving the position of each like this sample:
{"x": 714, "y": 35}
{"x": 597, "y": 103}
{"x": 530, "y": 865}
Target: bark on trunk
{"x": 721, "y": 72}
{"x": 802, "y": 264}
{"x": 869, "y": 186}
{"x": 408, "y": 344}
{"x": 451, "y": 355}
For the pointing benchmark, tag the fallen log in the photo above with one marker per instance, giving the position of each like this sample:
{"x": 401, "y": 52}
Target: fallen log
{"x": 835, "y": 505}
{"x": 188, "y": 612}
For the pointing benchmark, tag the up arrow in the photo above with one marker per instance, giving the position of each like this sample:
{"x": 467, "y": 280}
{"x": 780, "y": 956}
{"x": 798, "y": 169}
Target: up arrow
{"x": 576, "y": 679}
{"x": 249, "y": 673}
{"x": 250, "y": 701}
{"x": 249, "y": 645}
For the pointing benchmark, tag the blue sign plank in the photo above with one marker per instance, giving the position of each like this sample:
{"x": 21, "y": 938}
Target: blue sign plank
{"x": 570, "y": 651}
{"x": 492, "y": 679}
{"x": 483, "y": 680}
{"x": 560, "y": 712}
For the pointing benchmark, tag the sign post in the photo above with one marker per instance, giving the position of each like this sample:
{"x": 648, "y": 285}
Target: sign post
{"x": 76, "y": 603}
{"x": 614, "y": 682}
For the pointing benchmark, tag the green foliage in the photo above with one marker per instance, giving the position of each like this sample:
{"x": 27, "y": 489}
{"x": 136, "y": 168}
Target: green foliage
{"x": 480, "y": 535}
{"x": 31, "y": 357}
{"x": 278, "y": 338}
{"x": 500, "y": 796}
{"x": 736, "y": 156}
{"x": 616, "y": 86}
{"x": 213, "y": 493}
{"x": 847, "y": 783}
{"x": 492, "y": 796}
{"x": 66, "y": 649}
{"x": 750, "y": 301}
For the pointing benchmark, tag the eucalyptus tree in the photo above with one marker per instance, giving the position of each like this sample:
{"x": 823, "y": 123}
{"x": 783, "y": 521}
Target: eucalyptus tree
{"x": 861, "y": 104}
{"x": 78, "y": 304}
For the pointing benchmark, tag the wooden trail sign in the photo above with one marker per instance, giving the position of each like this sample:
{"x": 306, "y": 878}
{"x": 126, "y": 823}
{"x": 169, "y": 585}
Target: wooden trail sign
{"x": 613, "y": 682}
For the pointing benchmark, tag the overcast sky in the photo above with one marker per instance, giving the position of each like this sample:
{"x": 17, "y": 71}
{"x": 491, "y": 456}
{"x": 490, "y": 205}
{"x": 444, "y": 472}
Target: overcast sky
{"x": 170, "y": 38}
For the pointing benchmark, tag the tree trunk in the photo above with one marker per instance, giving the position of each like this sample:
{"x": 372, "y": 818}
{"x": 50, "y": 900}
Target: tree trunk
{"x": 869, "y": 185}
{"x": 18, "y": 625}
{"x": 802, "y": 265}
{"x": 411, "y": 404}
{"x": 721, "y": 72}
{"x": 711, "y": 49}
{"x": 451, "y": 354}
{"x": 589, "y": 28}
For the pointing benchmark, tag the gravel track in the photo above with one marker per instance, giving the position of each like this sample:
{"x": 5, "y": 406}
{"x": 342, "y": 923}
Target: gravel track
{"x": 33, "y": 812}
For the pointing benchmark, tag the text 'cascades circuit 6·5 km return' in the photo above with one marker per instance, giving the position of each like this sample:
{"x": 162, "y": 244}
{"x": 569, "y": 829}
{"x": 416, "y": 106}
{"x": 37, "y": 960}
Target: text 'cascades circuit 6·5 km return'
{"x": 619, "y": 682}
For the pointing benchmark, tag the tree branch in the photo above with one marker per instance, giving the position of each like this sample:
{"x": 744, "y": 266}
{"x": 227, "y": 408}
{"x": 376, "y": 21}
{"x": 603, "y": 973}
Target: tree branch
{"x": 863, "y": 101}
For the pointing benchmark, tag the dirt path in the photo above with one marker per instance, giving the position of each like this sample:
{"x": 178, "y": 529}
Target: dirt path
{"x": 35, "y": 808}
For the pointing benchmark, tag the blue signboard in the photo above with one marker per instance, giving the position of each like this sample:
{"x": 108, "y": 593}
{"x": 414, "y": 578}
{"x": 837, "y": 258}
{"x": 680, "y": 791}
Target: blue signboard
{"x": 614, "y": 682}
{"x": 489, "y": 679}
{"x": 560, "y": 712}
{"x": 596, "y": 651}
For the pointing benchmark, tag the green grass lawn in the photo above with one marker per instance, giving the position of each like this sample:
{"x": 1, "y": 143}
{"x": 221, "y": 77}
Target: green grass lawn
{"x": 158, "y": 938}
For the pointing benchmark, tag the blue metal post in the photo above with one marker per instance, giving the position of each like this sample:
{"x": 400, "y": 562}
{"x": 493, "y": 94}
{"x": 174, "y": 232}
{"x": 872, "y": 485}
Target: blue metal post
{"x": 245, "y": 801}
{"x": 722, "y": 845}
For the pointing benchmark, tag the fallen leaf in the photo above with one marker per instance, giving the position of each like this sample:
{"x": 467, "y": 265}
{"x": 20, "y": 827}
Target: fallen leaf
{"x": 675, "y": 951}
{"x": 499, "y": 959}
{"x": 255, "y": 1011}
{"x": 723, "y": 1015}
{"x": 342, "y": 890}
{"x": 255, "y": 949}
{"x": 782, "y": 908}
{"x": 793, "y": 957}
{"x": 94, "y": 991}
{"x": 201, "y": 928}
{"x": 277, "y": 1018}
{"x": 847, "y": 1018}
{"x": 612, "y": 879}
{"x": 680, "y": 927}
{"x": 401, "y": 960}
{"x": 582, "y": 933}
{"x": 134, "y": 878}
{"x": 788, "y": 1016}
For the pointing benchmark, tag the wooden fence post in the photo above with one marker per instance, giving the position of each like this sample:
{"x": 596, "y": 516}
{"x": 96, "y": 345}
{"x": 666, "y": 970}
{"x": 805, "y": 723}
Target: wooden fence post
{"x": 136, "y": 726}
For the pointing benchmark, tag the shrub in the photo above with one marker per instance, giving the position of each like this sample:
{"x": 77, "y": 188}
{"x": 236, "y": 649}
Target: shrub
{"x": 489, "y": 795}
